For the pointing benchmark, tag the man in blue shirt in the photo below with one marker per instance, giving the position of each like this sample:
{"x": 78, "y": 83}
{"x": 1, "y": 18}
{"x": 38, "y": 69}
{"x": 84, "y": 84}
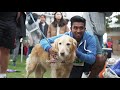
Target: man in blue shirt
{"x": 86, "y": 47}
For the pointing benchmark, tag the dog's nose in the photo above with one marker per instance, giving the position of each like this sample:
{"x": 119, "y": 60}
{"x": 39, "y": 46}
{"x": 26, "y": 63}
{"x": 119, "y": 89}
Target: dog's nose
{"x": 62, "y": 53}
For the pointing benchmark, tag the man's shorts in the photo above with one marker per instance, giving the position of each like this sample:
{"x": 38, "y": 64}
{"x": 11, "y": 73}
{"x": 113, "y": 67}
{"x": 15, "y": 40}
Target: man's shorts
{"x": 7, "y": 38}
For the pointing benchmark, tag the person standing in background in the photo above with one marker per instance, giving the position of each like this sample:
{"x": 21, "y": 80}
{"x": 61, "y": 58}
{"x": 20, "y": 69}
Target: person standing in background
{"x": 109, "y": 44}
{"x": 58, "y": 26}
{"x": 43, "y": 25}
{"x": 33, "y": 31}
{"x": 20, "y": 33}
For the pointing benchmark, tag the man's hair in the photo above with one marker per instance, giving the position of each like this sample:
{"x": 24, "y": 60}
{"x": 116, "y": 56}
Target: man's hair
{"x": 43, "y": 15}
{"x": 77, "y": 19}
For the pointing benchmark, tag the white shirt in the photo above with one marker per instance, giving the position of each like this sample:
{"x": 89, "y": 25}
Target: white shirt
{"x": 58, "y": 29}
{"x": 43, "y": 24}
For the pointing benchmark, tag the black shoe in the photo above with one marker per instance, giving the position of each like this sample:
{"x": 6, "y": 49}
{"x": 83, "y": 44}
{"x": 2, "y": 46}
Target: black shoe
{"x": 14, "y": 63}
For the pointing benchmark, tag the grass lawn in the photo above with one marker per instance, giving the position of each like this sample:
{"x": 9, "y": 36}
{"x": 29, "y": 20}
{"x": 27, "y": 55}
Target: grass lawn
{"x": 20, "y": 68}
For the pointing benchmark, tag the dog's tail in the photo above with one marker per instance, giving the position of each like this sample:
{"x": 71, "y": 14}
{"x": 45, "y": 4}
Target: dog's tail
{"x": 31, "y": 63}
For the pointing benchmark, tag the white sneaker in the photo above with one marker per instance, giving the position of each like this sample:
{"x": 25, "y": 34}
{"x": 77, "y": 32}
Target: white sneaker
{"x": 11, "y": 60}
{"x": 3, "y": 76}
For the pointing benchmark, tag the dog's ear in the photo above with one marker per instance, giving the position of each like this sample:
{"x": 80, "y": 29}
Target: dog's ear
{"x": 55, "y": 45}
{"x": 74, "y": 43}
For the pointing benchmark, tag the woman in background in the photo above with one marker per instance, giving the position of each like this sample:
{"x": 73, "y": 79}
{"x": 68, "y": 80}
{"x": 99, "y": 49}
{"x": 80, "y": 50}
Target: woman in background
{"x": 58, "y": 26}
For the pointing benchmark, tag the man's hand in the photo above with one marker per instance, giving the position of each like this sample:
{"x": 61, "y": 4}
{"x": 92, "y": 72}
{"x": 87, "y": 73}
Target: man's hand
{"x": 52, "y": 51}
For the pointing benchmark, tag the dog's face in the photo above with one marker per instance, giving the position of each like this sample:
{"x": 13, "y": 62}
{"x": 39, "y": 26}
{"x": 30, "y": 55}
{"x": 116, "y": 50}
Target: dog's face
{"x": 65, "y": 46}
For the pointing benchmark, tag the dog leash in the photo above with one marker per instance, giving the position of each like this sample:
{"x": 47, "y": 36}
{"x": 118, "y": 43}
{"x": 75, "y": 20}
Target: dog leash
{"x": 39, "y": 28}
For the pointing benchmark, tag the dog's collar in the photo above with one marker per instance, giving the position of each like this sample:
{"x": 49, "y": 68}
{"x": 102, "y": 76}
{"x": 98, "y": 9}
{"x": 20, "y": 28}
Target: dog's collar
{"x": 55, "y": 61}
{"x": 63, "y": 61}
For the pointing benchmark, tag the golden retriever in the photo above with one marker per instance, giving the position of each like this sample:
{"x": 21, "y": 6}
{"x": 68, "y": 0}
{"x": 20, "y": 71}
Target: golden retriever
{"x": 38, "y": 60}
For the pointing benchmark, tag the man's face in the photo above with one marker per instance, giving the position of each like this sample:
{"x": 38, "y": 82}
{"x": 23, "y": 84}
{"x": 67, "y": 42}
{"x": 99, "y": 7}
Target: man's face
{"x": 78, "y": 29}
{"x": 42, "y": 19}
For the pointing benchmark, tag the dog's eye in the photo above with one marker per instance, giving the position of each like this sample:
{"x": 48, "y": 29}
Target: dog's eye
{"x": 68, "y": 44}
{"x": 59, "y": 43}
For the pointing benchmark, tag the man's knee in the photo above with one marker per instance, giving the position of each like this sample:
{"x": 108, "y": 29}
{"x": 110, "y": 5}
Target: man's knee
{"x": 98, "y": 66}
{"x": 100, "y": 62}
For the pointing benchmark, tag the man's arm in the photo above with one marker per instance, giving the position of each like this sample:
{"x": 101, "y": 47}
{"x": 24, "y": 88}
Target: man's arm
{"x": 90, "y": 56}
{"x": 51, "y": 40}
